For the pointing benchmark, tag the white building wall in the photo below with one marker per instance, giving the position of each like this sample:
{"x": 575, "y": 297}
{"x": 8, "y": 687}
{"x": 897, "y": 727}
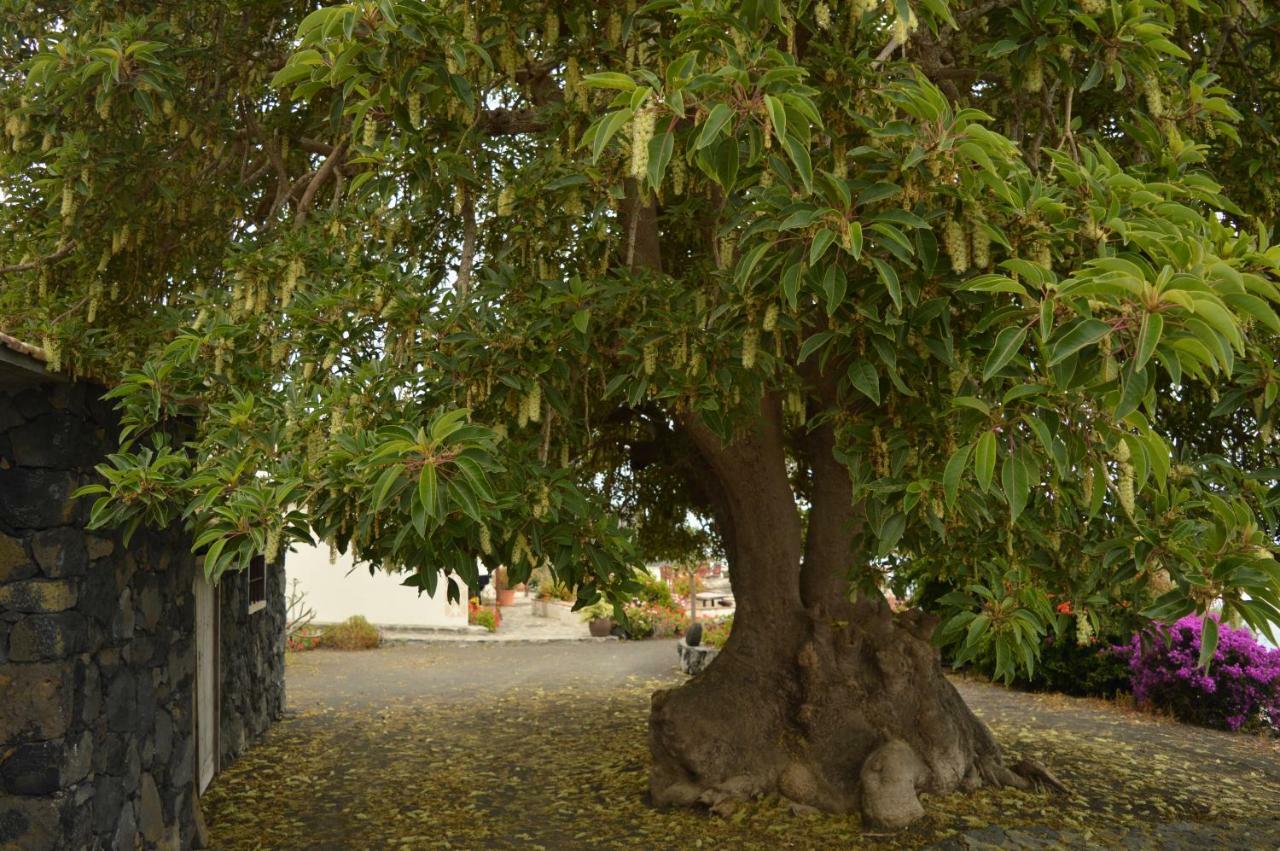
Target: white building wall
{"x": 336, "y": 592}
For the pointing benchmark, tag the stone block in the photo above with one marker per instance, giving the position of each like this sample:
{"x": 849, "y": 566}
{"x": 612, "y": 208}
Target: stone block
{"x": 37, "y": 702}
{"x": 32, "y": 768}
{"x": 163, "y": 737}
{"x": 56, "y": 440}
{"x": 122, "y": 622}
{"x": 37, "y": 638}
{"x": 122, "y": 702}
{"x": 150, "y": 812}
{"x": 109, "y": 753}
{"x": 126, "y": 835}
{"x": 150, "y": 607}
{"x": 98, "y": 546}
{"x": 90, "y": 694}
{"x": 32, "y": 824}
{"x": 37, "y": 499}
{"x": 15, "y": 565}
{"x": 41, "y": 768}
{"x": 39, "y": 595}
{"x": 108, "y": 801}
{"x": 60, "y": 552}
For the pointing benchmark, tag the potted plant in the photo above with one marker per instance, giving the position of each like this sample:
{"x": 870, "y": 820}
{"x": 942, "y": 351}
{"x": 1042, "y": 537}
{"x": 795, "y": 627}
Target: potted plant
{"x": 506, "y": 594}
{"x": 599, "y": 618}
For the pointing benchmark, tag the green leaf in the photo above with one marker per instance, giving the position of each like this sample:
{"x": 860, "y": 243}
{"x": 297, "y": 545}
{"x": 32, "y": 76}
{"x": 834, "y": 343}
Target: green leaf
{"x": 800, "y": 156}
{"x": 954, "y": 472}
{"x": 834, "y": 285}
{"x": 1208, "y": 640}
{"x": 890, "y": 279}
{"x": 427, "y": 486}
{"x": 448, "y": 423}
{"x": 777, "y": 116}
{"x": 580, "y": 320}
{"x": 863, "y": 375}
{"x": 660, "y": 149}
{"x": 984, "y": 459}
{"x": 1148, "y": 337}
{"x": 1016, "y": 482}
{"x": 791, "y": 283}
{"x": 812, "y": 344}
{"x": 605, "y": 130}
{"x": 1008, "y": 343}
{"x": 855, "y": 239}
{"x": 720, "y": 115}
{"x": 383, "y": 487}
{"x": 609, "y": 80}
{"x": 821, "y": 242}
{"x": 1085, "y": 333}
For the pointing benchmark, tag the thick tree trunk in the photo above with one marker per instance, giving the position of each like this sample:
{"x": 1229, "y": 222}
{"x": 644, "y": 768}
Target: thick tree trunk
{"x": 835, "y": 705}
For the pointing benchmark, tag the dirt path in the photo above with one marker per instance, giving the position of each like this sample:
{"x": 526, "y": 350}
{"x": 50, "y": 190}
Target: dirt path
{"x": 543, "y": 746}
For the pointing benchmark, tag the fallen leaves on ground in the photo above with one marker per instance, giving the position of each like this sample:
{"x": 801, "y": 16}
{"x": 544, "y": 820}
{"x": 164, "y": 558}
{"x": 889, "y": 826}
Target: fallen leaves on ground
{"x": 567, "y": 768}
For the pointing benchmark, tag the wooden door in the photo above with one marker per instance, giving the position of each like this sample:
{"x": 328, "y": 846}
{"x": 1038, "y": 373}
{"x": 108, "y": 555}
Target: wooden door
{"x": 206, "y": 682}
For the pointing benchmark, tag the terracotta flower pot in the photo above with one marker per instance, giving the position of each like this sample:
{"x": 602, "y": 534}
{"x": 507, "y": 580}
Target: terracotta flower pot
{"x": 506, "y": 596}
{"x": 600, "y": 627}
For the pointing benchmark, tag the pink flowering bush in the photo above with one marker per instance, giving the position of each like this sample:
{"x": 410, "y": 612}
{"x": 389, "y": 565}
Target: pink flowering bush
{"x": 1241, "y": 686}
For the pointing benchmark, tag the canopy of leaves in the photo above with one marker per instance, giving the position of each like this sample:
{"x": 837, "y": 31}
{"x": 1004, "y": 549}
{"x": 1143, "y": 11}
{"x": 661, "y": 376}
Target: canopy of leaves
{"x": 442, "y": 280}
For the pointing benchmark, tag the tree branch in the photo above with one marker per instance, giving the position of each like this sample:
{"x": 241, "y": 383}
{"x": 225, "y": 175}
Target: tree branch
{"x": 321, "y": 175}
{"x": 61, "y": 253}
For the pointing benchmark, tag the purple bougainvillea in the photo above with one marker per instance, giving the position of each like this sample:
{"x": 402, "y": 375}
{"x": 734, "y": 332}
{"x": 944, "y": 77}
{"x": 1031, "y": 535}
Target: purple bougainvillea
{"x": 1242, "y": 683}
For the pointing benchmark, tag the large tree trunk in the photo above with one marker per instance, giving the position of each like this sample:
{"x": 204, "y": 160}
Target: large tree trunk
{"x": 835, "y": 705}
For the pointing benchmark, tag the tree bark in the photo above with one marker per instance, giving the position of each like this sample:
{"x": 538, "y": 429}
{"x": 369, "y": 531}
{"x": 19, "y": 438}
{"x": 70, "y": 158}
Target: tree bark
{"x": 837, "y": 705}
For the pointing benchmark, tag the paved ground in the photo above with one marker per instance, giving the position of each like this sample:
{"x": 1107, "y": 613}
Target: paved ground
{"x": 543, "y": 746}
{"x": 518, "y": 624}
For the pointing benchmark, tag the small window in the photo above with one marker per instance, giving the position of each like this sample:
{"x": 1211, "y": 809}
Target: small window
{"x": 257, "y": 584}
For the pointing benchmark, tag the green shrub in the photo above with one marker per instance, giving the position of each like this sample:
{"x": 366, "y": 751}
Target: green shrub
{"x": 599, "y": 610}
{"x": 355, "y": 633}
{"x": 654, "y": 591}
{"x": 716, "y": 632}
{"x": 1066, "y": 667}
{"x": 486, "y": 618}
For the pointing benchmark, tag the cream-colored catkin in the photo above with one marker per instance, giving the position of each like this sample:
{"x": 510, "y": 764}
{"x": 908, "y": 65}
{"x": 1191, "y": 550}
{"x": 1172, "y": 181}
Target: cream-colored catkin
{"x": 822, "y": 15}
{"x": 534, "y": 403}
{"x": 981, "y": 244}
{"x": 415, "y": 110}
{"x": 1042, "y": 255}
{"x": 1084, "y": 630}
{"x": 642, "y": 126}
{"x": 1154, "y": 96}
{"x": 750, "y": 344}
{"x": 649, "y": 357}
{"x": 770, "y": 318}
{"x": 679, "y": 172}
{"x": 506, "y": 201}
{"x": 957, "y": 245}
{"x": 486, "y": 541}
{"x": 1033, "y": 81}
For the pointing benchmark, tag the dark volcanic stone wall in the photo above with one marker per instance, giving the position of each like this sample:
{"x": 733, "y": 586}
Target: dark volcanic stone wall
{"x": 252, "y": 648}
{"x": 97, "y": 652}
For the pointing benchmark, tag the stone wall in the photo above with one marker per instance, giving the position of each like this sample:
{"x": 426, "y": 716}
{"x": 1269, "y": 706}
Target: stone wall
{"x": 97, "y": 648}
{"x": 253, "y": 686}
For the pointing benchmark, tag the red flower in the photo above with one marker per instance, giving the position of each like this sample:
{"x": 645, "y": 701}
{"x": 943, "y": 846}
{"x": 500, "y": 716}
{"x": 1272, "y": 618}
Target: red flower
{"x": 1064, "y": 607}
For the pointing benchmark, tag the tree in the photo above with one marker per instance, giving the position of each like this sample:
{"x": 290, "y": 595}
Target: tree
{"x": 882, "y": 290}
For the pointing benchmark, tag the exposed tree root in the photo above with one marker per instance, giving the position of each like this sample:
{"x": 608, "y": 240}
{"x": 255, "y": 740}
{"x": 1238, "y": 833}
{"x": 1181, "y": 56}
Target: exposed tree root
{"x": 857, "y": 718}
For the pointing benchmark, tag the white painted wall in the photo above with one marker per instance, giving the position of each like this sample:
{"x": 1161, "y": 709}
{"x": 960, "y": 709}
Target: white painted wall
{"x": 336, "y": 592}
